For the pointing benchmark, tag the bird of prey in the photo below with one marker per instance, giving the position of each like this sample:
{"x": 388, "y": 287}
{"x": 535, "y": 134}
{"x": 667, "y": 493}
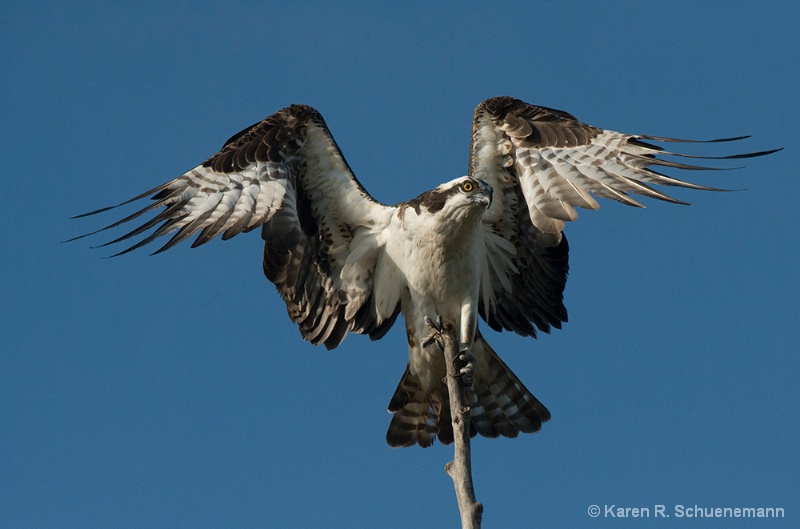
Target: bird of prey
{"x": 488, "y": 244}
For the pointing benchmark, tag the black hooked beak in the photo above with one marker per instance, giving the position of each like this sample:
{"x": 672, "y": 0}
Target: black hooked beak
{"x": 488, "y": 191}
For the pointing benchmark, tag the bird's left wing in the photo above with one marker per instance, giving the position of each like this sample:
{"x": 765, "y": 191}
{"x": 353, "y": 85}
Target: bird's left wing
{"x": 286, "y": 175}
{"x": 543, "y": 164}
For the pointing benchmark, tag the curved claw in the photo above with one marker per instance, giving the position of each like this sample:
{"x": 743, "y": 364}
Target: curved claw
{"x": 465, "y": 364}
{"x": 465, "y": 355}
{"x": 435, "y": 335}
{"x": 437, "y": 325}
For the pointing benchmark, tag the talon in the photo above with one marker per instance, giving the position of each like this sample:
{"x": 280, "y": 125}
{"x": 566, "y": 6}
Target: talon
{"x": 437, "y": 325}
{"x": 465, "y": 355}
{"x": 465, "y": 375}
{"x": 464, "y": 364}
{"x": 436, "y": 328}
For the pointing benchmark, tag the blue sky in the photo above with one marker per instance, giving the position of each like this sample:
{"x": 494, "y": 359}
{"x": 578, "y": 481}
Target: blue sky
{"x": 173, "y": 391}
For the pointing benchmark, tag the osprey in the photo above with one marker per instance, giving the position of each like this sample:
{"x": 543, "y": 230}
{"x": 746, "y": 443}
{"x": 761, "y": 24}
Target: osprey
{"x": 489, "y": 243}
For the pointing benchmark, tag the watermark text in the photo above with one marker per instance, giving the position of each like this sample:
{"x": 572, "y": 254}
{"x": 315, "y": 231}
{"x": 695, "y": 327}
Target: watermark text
{"x": 682, "y": 511}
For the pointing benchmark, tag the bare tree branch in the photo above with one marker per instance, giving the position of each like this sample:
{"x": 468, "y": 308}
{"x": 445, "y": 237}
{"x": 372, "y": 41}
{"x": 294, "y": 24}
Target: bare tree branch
{"x": 460, "y": 468}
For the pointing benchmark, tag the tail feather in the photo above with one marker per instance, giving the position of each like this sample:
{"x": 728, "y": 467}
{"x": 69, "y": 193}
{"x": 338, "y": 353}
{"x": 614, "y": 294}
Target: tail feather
{"x": 500, "y": 405}
{"x": 418, "y": 414}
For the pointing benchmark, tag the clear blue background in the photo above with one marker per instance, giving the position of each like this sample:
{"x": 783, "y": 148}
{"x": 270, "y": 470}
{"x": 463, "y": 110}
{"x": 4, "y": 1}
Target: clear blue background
{"x": 173, "y": 391}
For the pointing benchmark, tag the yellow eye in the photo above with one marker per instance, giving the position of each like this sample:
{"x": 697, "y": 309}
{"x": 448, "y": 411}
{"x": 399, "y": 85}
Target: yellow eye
{"x": 467, "y": 186}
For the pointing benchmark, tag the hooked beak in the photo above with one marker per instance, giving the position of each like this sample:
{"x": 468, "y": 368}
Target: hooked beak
{"x": 484, "y": 198}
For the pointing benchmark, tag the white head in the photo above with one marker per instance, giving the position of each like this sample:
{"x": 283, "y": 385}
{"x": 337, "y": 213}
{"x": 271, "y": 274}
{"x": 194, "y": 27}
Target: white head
{"x": 461, "y": 197}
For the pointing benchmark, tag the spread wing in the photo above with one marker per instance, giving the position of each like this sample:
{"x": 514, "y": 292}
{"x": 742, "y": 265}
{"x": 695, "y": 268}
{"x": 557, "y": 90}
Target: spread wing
{"x": 543, "y": 164}
{"x": 286, "y": 175}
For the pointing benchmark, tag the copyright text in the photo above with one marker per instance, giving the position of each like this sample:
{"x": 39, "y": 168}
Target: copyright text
{"x": 682, "y": 511}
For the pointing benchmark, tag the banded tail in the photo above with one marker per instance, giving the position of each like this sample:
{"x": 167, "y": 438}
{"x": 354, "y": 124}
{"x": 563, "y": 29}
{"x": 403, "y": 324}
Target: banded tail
{"x": 500, "y": 405}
